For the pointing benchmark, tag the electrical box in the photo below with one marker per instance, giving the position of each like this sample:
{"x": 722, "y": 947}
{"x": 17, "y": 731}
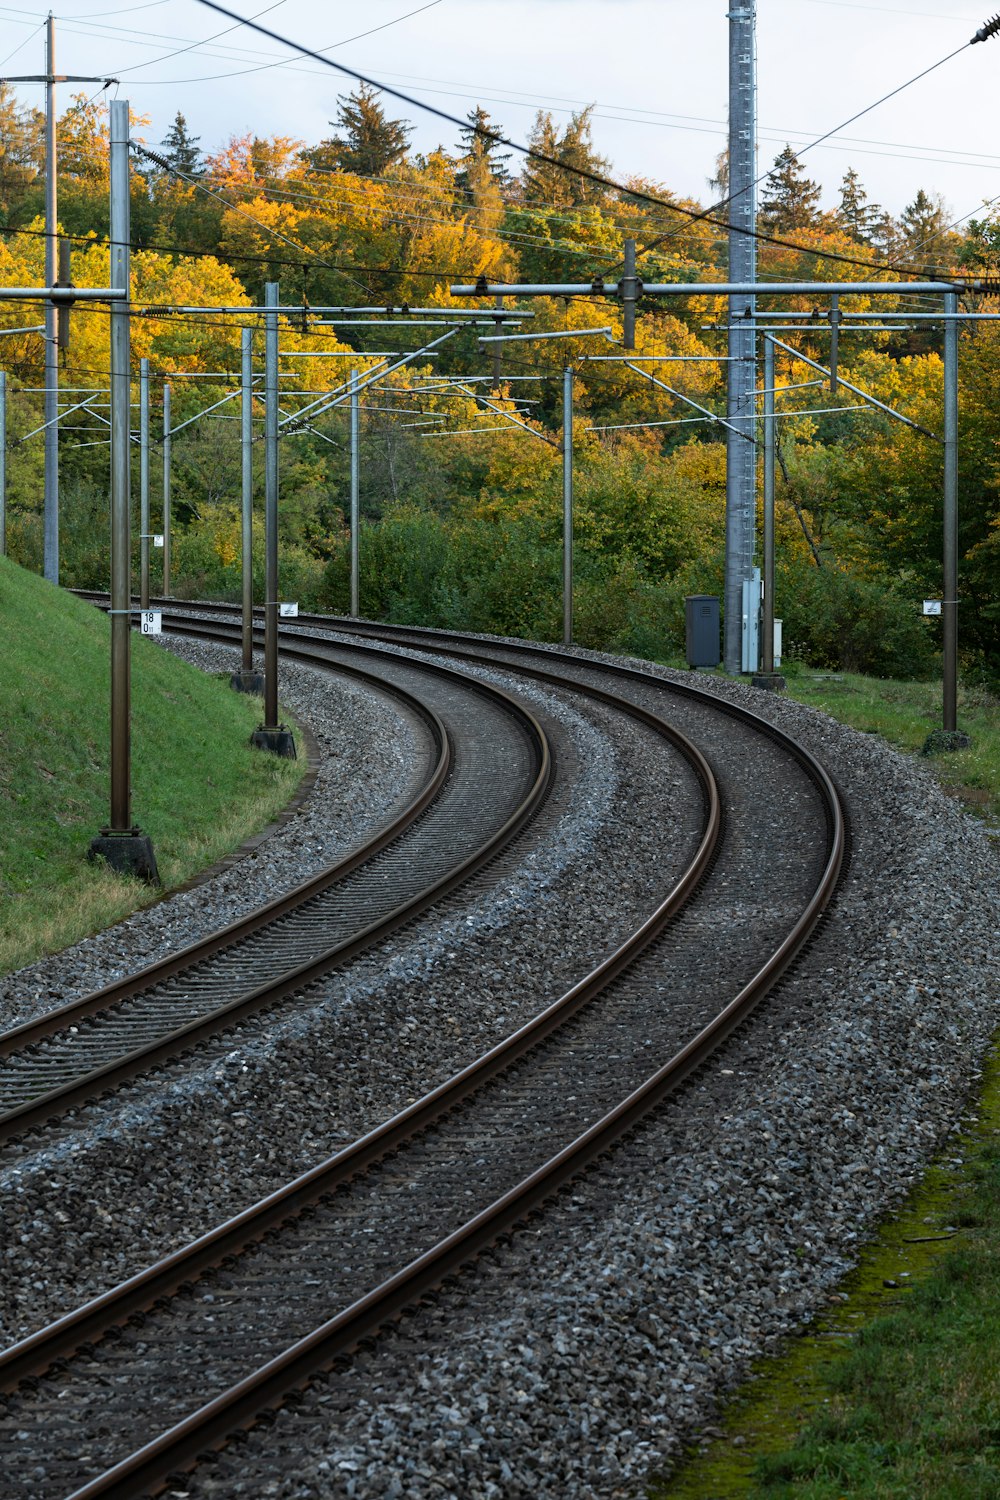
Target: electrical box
{"x": 751, "y": 622}
{"x": 701, "y": 621}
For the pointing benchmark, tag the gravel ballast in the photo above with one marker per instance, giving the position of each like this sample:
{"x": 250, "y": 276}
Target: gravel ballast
{"x": 260, "y": 1107}
{"x": 601, "y": 1335}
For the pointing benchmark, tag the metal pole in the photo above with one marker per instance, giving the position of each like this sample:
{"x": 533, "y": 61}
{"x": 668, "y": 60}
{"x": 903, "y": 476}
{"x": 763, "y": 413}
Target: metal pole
{"x": 355, "y": 497}
{"x": 51, "y": 517}
{"x": 121, "y": 590}
{"x": 246, "y": 453}
{"x": 949, "y": 607}
{"x": 628, "y": 294}
{"x": 3, "y": 463}
{"x": 690, "y": 289}
{"x": 767, "y": 644}
{"x": 567, "y": 446}
{"x": 741, "y": 372}
{"x": 144, "y": 483}
{"x": 271, "y": 506}
{"x": 166, "y": 491}
{"x": 497, "y": 351}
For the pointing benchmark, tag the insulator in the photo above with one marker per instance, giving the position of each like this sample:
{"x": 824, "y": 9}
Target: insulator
{"x": 988, "y": 29}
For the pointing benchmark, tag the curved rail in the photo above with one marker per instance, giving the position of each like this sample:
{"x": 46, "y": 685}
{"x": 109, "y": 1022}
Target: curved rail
{"x": 210, "y": 1425}
{"x": 177, "y": 1039}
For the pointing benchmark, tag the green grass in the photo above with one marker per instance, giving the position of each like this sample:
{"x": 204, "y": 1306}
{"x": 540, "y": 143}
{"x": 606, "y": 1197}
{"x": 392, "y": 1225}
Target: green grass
{"x": 199, "y": 789}
{"x": 894, "y": 1394}
{"x": 904, "y": 714}
{"x": 887, "y": 1405}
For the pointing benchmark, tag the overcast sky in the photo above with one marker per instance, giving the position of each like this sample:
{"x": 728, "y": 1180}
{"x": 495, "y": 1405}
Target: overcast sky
{"x": 655, "y": 72}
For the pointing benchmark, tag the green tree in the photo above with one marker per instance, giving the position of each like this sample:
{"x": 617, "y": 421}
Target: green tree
{"x": 855, "y": 212}
{"x": 556, "y": 182}
{"x": 981, "y": 246}
{"x": 924, "y": 231}
{"x": 789, "y": 200}
{"x": 368, "y": 143}
{"x": 482, "y": 160}
{"x": 180, "y": 148}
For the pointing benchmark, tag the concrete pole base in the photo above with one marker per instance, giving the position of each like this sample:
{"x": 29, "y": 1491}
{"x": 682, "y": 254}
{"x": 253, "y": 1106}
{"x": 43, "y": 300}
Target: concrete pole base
{"x": 941, "y": 741}
{"x": 280, "y": 741}
{"x": 770, "y": 682}
{"x": 248, "y": 682}
{"x": 128, "y": 853}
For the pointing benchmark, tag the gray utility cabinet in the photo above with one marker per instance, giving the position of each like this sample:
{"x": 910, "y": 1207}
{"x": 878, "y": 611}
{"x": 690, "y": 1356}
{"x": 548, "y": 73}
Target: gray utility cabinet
{"x": 702, "y": 637}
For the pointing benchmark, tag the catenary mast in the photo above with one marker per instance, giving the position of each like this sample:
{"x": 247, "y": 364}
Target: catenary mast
{"x": 741, "y": 468}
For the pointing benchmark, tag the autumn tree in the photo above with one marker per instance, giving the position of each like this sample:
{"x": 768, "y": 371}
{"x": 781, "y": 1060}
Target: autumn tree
{"x": 21, "y": 149}
{"x": 789, "y": 200}
{"x": 718, "y": 183}
{"x": 253, "y": 162}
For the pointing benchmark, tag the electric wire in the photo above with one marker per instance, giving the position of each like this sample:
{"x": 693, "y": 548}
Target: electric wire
{"x": 30, "y": 38}
{"x": 644, "y": 250}
{"x": 531, "y": 153}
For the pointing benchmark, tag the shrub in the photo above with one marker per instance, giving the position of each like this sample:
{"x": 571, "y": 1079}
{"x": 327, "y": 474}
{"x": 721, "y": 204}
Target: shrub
{"x": 846, "y": 623}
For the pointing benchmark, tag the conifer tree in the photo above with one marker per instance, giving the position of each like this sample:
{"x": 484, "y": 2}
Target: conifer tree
{"x": 367, "y": 143}
{"x": 553, "y": 185}
{"x": 789, "y": 200}
{"x": 856, "y": 213}
{"x": 923, "y": 228}
{"x": 181, "y": 149}
{"x": 482, "y": 158}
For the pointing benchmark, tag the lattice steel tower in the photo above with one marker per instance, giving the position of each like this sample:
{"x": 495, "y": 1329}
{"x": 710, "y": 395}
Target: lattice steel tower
{"x": 741, "y": 210}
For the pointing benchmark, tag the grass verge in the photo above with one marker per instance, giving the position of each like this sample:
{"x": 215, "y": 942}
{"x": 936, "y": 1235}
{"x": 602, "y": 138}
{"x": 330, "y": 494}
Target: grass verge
{"x": 199, "y": 789}
{"x": 893, "y": 1394}
{"x": 904, "y": 714}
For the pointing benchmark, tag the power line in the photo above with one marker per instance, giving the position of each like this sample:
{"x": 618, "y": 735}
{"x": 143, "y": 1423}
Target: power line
{"x": 533, "y": 154}
{"x": 818, "y": 141}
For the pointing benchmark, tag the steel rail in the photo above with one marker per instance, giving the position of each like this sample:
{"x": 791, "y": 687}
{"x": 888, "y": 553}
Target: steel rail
{"x": 208, "y": 1427}
{"x": 45, "y": 1025}
{"x": 33, "y": 1355}
{"x": 464, "y": 647}
{"x": 127, "y": 1066}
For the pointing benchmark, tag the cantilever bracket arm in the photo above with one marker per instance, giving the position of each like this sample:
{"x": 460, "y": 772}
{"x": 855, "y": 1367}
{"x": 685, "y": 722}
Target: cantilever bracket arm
{"x": 499, "y": 411}
{"x": 890, "y": 411}
{"x": 690, "y": 401}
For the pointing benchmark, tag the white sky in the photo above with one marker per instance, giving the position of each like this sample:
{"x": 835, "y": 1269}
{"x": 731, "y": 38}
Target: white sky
{"x": 655, "y": 71}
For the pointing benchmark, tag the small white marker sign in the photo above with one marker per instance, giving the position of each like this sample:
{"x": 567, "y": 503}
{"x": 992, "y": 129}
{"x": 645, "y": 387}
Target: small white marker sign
{"x": 288, "y": 611}
{"x": 932, "y": 606}
{"x": 151, "y": 621}
{"x": 157, "y": 538}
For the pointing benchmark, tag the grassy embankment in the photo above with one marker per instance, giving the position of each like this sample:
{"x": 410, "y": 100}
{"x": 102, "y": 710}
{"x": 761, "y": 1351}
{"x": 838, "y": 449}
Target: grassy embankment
{"x": 895, "y": 1393}
{"x": 199, "y": 789}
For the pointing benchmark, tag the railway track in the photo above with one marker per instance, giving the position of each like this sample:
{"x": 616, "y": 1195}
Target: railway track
{"x": 413, "y": 1200}
{"x": 461, "y": 816}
